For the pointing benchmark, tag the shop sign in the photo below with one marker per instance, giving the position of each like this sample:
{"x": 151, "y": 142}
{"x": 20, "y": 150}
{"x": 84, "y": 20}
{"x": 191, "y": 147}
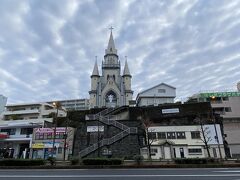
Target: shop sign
{"x": 45, "y": 145}
{"x": 51, "y": 130}
{"x": 219, "y": 94}
{"x": 38, "y": 146}
{"x": 4, "y": 135}
{"x": 170, "y": 111}
{"x": 95, "y": 129}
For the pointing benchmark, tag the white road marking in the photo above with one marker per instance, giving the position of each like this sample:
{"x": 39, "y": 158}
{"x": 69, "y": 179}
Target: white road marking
{"x": 118, "y": 176}
{"x": 231, "y": 171}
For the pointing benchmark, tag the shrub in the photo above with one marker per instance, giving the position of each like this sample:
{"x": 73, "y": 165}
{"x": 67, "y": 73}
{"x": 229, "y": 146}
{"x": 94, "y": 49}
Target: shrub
{"x": 195, "y": 160}
{"x": 22, "y": 162}
{"x": 74, "y": 161}
{"x": 129, "y": 157}
{"x": 52, "y": 160}
{"x": 116, "y": 161}
{"x": 101, "y": 161}
{"x": 138, "y": 159}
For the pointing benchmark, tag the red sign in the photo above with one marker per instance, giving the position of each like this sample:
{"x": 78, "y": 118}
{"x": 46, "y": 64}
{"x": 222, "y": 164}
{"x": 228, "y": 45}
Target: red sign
{"x": 4, "y": 136}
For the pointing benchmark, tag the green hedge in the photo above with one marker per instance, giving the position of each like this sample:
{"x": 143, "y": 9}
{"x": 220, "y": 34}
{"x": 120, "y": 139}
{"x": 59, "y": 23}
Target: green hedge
{"x": 195, "y": 161}
{"x": 102, "y": 161}
{"x": 21, "y": 162}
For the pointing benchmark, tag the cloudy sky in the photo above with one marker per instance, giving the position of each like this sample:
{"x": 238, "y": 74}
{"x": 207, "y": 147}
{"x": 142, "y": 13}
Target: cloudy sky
{"x": 48, "y": 48}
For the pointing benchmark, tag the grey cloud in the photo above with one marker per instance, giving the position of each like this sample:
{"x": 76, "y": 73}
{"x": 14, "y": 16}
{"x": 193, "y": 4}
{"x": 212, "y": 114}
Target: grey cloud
{"x": 48, "y": 48}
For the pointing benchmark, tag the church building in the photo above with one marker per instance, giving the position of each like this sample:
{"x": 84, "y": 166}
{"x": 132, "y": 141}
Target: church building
{"x": 111, "y": 89}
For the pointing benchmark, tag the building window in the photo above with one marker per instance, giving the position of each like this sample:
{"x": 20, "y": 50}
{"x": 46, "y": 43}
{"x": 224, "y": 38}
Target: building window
{"x": 195, "y": 151}
{"x": 60, "y": 149}
{"x": 195, "y": 135}
{"x": 26, "y": 131}
{"x": 154, "y": 151}
{"x": 144, "y": 151}
{"x": 49, "y": 136}
{"x": 228, "y": 109}
{"x": 39, "y": 136}
{"x": 225, "y": 98}
{"x": 152, "y": 135}
{"x": 171, "y": 135}
{"x": 161, "y": 135}
{"x": 161, "y": 90}
{"x": 11, "y": 131}
{"x": 181, "y": 135}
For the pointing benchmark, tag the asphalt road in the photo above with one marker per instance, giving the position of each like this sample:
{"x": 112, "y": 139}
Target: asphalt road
{"x": 122, "y": 174}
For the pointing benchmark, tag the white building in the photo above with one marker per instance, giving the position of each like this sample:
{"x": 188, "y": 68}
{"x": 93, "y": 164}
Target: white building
{"x": 168, "y": 142}
{"x": 17, "y": 125}
{"x": 74, "y": 104}
{"x": 159, "y": 94}
{"x": 111, "y": 89}
{"x": 3, "y": 102}
{"x": 227, "y": 104}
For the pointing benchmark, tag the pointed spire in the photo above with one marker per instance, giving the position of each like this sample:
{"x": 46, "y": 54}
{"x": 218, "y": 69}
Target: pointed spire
{"x": 95, "y": 69}
{"x": 111, "y": 45}
{"x": 126, "y": 71}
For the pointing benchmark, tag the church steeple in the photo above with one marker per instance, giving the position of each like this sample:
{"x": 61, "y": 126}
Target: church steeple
{"x": 126, "y": 71}
{"x": 111, "y": 45}
{"x": 95, "y": 69}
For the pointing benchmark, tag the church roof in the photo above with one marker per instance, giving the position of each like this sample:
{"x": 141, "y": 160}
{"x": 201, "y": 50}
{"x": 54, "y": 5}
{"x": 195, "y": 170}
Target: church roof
{"x": 95, "y": 70}
{"x": 111, "y": 45}
{"x": 126, "y": 69}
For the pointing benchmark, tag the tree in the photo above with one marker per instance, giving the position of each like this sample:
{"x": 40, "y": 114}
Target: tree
{"x": 147, "y": 123}
{"x": 205, "y": 133}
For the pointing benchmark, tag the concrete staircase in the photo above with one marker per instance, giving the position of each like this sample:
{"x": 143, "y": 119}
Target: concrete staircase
{"x": 111, "y": 120}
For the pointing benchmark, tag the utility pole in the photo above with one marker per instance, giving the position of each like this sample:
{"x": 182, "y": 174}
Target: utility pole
{"x": 65, "y": 138}
{"x": 216, "y": 136}
{"x": 57, "y": 106}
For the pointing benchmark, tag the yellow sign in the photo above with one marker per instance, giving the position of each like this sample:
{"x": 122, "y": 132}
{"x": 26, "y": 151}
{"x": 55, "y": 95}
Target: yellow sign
{"x": 38, "y": 146}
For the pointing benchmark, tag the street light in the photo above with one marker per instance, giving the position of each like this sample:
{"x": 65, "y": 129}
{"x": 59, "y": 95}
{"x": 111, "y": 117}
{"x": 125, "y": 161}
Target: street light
{"x": 56, "y": 105}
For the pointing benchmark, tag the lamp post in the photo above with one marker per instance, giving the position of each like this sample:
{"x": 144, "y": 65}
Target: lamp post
{"x": 56, "y": 105}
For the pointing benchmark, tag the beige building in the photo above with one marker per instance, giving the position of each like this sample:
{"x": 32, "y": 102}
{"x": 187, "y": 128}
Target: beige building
{"x": 227, "y": 105}
{"x": 73, "y": 104}
{"x": 17, "y": 123}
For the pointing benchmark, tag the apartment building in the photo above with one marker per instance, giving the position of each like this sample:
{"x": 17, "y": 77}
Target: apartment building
{"x": 227, "y": 105}
{"x": 17, "y": 123}
{"x": 74, "y": 104}
{"x": 3, "y": 102}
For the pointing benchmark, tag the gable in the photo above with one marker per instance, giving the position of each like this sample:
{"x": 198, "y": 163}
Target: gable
{"x": 161, "y": 90}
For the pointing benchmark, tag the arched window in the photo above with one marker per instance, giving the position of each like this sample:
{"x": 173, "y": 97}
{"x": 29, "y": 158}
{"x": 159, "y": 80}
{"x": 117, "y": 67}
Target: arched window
{"x": 111, "y": 99}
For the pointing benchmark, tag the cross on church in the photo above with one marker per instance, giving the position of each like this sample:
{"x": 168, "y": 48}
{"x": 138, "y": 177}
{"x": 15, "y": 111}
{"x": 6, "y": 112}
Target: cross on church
{"x": 111, "y": 28}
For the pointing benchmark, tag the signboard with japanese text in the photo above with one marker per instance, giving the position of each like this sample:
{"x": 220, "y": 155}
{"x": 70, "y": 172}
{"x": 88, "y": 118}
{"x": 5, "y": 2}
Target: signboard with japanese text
{"x": 219, "y": 94}
{"x": 95, "y": 129}
{"x": 170, "y": 111}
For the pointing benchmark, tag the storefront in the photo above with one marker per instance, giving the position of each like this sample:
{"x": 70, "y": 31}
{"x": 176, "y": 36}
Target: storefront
{"x": 45, "y": 146}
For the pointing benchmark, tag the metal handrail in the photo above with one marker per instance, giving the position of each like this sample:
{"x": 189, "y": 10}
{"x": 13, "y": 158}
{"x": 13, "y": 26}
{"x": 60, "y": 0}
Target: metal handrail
{"x": 109, "y": 120}
{"x": 104, "y": 142}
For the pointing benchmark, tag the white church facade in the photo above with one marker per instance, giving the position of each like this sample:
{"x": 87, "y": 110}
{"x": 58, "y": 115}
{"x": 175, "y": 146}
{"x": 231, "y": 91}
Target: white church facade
{"x": 111, "y": 89}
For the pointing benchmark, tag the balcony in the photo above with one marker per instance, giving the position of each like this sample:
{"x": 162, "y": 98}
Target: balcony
{"x": 27, "y": 111}
{"x": 104, "y": 65}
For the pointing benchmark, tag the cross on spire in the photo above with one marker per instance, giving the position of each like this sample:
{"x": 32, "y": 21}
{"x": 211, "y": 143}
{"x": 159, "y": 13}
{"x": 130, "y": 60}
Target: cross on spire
{"x": 111, "y": 28}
